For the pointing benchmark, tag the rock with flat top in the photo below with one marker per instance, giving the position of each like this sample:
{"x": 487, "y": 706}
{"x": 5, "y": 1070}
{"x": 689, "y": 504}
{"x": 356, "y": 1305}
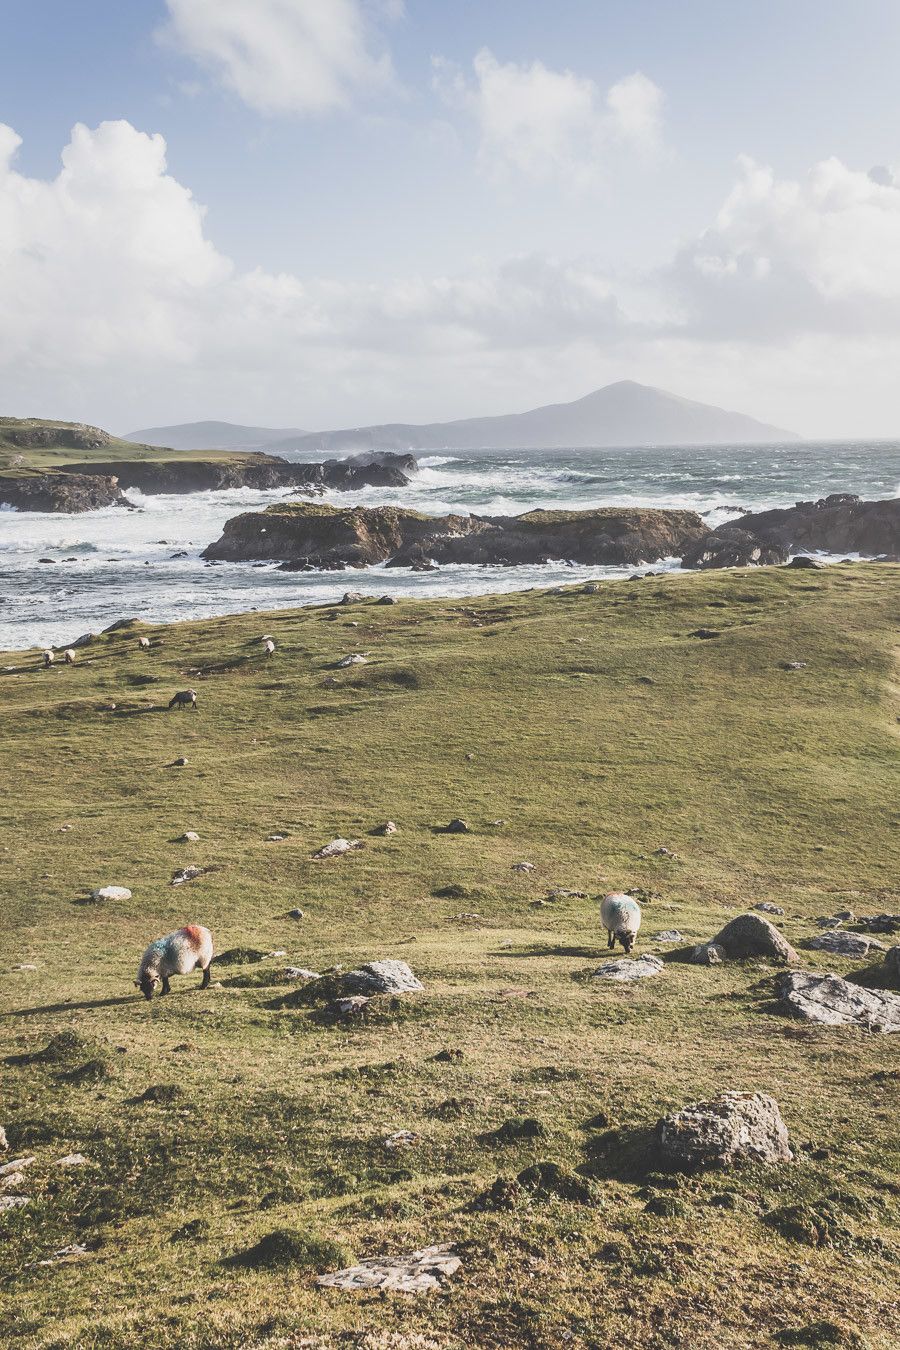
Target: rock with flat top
{"x": 337, "y": 847}
{"x": 381, "y": 977}
{"x": 833, "y": 1002}
{"x": 626, "y": 968}
{"x": 841, "y": 943}
{"x": 419, "y": 1273}
{"x": 752, "y": 935}
{"x": 733, "y": 1127}
{"x": 111, "y": 893}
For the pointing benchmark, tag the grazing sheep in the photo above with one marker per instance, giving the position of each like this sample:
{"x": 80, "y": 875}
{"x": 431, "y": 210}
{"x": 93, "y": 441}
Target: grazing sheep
{"x": 69, "y": 656}
{"x": 184, "y": 698}
{"x": 269, "y": 647}
{"x": 621, "y": 917}
{"x": 176, "y": 954}
{"x": 48, "y": 658}
{"x": 144, "y": 643}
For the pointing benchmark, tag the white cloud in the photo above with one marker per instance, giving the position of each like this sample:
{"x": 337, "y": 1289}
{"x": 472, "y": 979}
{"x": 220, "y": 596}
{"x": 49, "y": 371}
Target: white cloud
{"x": 116, "y": 308}
{"x": 549, "y": 123}
{"x": 286, "y": 56}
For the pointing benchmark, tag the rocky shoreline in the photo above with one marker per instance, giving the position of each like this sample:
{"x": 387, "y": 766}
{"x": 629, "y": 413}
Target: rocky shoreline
{"x": 307, "y": 536}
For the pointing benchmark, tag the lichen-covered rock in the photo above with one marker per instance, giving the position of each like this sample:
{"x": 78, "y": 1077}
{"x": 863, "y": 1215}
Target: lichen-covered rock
{"x": 419, "y": 1273}
{"x": 627, "y": 968}
{"x": 111, "y": 893}
{"x": 752, "y": 935}
{"x": 833, "y": 1002}
{"x": 734, "y": 1127}
{"x": 766, "y": 907}
{"x": 707, "y": 954}
{"x": 336, "y": 847}
{"x": 842, "y": 943}
{"x": 381, "y": 977}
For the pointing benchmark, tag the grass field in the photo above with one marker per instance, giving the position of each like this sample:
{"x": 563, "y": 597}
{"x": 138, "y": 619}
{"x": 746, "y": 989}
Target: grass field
{"x": 596, "y": 730}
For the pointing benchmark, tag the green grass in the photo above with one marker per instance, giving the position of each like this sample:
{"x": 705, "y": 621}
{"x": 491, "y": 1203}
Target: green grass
{"x": 17, "y": 460}
{"x": 598, "y": 731}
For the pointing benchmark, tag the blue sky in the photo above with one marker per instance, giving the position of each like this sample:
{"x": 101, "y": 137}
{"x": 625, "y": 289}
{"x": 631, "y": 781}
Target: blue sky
{"x": 442, "y": 209}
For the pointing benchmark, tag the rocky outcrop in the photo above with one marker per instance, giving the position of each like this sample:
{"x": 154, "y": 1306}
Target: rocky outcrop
{"x": 734, "y": 1127}
{"x": 833, "y": 1002}
{"x": 752, "y": 935}
{"x": 32, "y": 434}
{"x": 253, "y": 471}
{"x": 310, "y": 535}
{"x": 58, "y": 492}
{"x": 841, "y": 523}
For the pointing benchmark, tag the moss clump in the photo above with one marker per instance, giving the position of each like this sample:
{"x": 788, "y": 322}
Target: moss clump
{"x": 514, "y": 1131}
{"x": 60, "y": 1049}
{"x": 192, "y": 1231}
{"x": 239, "y": 956}
{"x": 547, "y": 1180}
{"x": 288, "y": 1247}
{"x": 161, "y": 1094}
{"x": 92, "y": 1071}
{"x": 822, "y": 1336}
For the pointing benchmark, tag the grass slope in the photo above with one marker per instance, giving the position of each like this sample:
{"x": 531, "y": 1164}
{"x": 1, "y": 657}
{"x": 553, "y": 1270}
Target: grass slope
{"x": 17, "y": 458}
{"x": 599, "y": 731}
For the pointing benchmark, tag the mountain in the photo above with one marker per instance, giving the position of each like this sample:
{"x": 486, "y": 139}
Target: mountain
{"x": 213, "y": 436}
{"x": 621, "y": 414}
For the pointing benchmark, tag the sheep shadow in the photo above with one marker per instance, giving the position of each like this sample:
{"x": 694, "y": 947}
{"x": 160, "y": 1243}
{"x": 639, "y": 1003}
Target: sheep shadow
{"x": 86, "y": 1006}
{"x": 139, "y": 712}
{"x": 620, "y": 1154}
{"x": 543, "y": 949}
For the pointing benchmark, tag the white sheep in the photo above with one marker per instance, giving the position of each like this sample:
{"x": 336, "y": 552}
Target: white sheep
{"x": 144, "y": 643}
{"x": 621, "y": 917}
{"x": 176, "y": 954}
{"x": 183, "y": 699}
{"x": 48, "y": 658}
{"x": 69, "y": 656}
{"x": 269, "y": 647}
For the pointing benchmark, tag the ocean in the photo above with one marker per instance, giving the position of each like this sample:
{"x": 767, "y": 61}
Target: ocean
{"x": 62, "y": 576}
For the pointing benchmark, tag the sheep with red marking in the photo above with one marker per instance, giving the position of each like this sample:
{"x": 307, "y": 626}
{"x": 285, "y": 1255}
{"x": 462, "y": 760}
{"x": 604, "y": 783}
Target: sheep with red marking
{"x": 176, "y": 954}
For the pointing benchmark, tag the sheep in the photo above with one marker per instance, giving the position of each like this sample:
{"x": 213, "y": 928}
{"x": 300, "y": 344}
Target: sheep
{"x": 48, "y": 658}
{"x": 144, "y": 644}
{"x": 269, "y": 647}
{"x": 183, "y": 699}
{"x": 621, "y": 917}
{"x": 69, "y": 656}
{"x": 176, "y": 954}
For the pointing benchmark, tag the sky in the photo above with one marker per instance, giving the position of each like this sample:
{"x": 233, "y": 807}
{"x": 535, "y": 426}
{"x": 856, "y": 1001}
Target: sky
{"x": 329, "y": 213}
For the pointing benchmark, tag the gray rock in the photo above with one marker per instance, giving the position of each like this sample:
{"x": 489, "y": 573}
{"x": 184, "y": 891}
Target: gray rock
{"x": 111, "y": 893}
{"x": 338, "y": 846}
{"x": 352, "y": 597}
{"x": 4, "y": 1142}
{"x": 419, "y": 1273}
{"x": 891, "y": 965}
{"x": 299, "y": 973}
{"x": 752, "y": 935}
{"x": 523, "y": 867}
{"x": 386, "y": 600}
{"x": 733, "y": 1127}
{"x": 353, "y": 1006}
{"x": 842, "y": 943}
{"x": 766, "y": 907}
{"x": 380, "y": 977}
{"x": 389, "y": 827}
{"x": 592, "y": 588}
{"x": 456, "y": 827}
{"x": 295, "y": 913}
{"x": 85, "y": 640}
{"x": 833, "y": 1002}
{"x": 628, "y": 968}
{"x": 880, "y": 923}
{"x": 708, "y": 954}
{"x": 72, "y": 1160}
{"x": 668, "y": 935}
{"x": 13, "y": 1202}
{"x": 354, "y": 659}
{"x": 189, "y": 837}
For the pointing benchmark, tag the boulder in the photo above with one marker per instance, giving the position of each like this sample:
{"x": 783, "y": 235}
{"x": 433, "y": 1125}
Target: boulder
{"x": 380, "y": 977}
{"x": 189, "y": 837}
{"x": 111, "y": 893}
{"x": 891, "y": 965}
{"x": 354, "y": 659}
{"x": 833, "y": 1002}
{"x": 752, "y": 935}
{"x": 419, "y": 1273}
{"x": 456, "y": 827}
{"x": 733, "y": 1127}
{"x": 628, "y": 968}
{"x": 842, "y": 943}
{"x": 729, "y": 546}
{"x": 668, "y": 935}
{"x": 880, "y": 923}
{"x": 708, "y": 954}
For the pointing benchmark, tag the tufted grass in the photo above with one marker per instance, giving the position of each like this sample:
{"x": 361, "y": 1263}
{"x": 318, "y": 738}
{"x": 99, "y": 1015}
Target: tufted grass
{"x": 598, "y": 731}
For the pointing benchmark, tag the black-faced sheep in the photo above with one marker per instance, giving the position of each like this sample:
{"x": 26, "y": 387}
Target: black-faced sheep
{"x": 176, "y": 954}
{"x": 48, "y": 658}
{"x": 621, "y": 917}
{"x": 69, "y": 656}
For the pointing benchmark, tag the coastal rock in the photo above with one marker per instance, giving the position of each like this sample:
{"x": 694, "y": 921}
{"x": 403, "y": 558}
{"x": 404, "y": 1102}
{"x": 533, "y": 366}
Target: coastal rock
{"x": 419, "y": 1273}
{"x": 306, "y": 535}
{"x": 259, "y": 471}
{"x": 752, "y": 935}
{"x": 668, "y": 935}
{"x": 60, "y": 492}
{"x": 730, "y": 546}
{"x": 840, "y": 523}
{"x": 626, "y": 968}
{"x": 842, "y": 943}
{"x": 833, "y": 1002}
{"x": 733, "y": 1127}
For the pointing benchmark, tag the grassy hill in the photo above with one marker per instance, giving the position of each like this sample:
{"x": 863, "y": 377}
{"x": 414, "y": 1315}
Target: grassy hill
{"x": 29, "y": 444}
{"x": 578, "y": 732}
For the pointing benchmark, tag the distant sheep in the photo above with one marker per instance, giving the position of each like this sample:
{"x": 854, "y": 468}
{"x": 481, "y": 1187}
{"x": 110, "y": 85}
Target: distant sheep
{"x": 69, "y": 656}
{"x": 176, "y": 954}
{"x": 621, "y": 917}
{"x": 48, "y": 658}
{"x": 269, "y": 647}
{"x": 144, "y": 643}
{"x": 183, "y": 699}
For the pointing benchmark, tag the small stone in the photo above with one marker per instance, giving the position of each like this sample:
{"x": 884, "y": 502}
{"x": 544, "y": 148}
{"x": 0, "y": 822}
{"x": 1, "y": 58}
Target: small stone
{"x": 13, "y": 1202}
{"x": 187, "y": 874}
{"x": 402, "y": 1139}
{"x": 352, "y": 597}
{"x": 793, "y": 665}
{"x": 708, "y": 954}
{"x": 841, "y": 943}
{"x": 668, "y": 935}
{"x": 387, "y": 828}
{"x": 337, "y": 847}
{"x": 4, "y": 1142}
{"x": 275, "y": 838}
{"x": 386, "y": 600}
{"x": 802, "y": 561}
{"x": 354, "y": 1006}
{"x": 627, "y": 968}
{"x": 189, "y": 837}
{"x": 28, "y": 965}
{"x": 418, "y": 1273}
{"x": 72, "y": 1160}
{"x": 381, "y": 977}
{"x": 179, "y": 763}
{"x": 705, "y": 633}
{"x": 766, "y": 907}
{"x": 355, "y": 659}
{"x": 456, "y": 827}
{"x": 295, "y": 913}
{"x": 111, "y": 893}
{"x": 16, "y": 1165}
{"x": 664, "y": 853}
{"x": 523, "y": 867}
{"x": 731, "y": 1127}
{"x": 299, "y": 973}
{"x": 65, "y": 1255}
